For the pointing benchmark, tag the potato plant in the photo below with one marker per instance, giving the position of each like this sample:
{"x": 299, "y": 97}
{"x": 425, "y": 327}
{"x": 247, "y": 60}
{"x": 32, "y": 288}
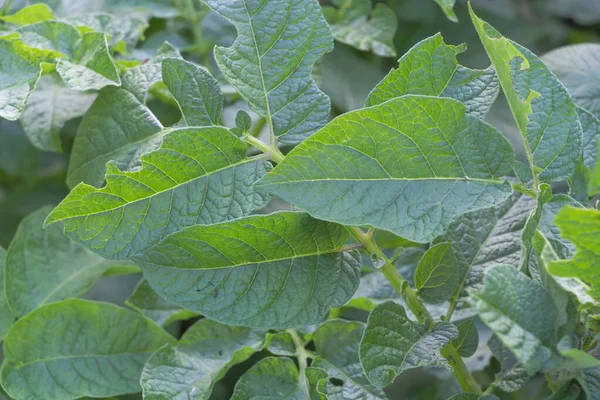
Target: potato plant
{"x": 302, "y": 255}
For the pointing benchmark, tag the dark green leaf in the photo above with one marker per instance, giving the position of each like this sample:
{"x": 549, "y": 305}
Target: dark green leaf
{"x": 468, "y": 339}
{"x": 436, "y": 277}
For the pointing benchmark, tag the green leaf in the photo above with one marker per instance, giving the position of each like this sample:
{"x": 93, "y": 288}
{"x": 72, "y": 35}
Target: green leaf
{"x": 582, "y": 228}
{"x": 561, "y": 247}
{"x": 430, "y": 68}
{"x": 358, "y": 24}
{"x": 52, "y": 39}
{"x": 337, "y": 343}
{"x": 97, "y": 350}
{"x": 589, "y": 380}
{"x": 521, "y": 312}
{"x": 50, "y": 106}
{"x": 274, "y": 271}
{"x": 543, "y": 110}
{"x": 189, "y": 370}
{"x": 484, "y": 238}
{"x": 29, "y": 15}
{"x": 150, "y": 304}
{"x": 18, "y": 77}
{"x": 392, "y": 166}
{"x": 44, "y": 266}
{"x": 271, "y": 60}
{"x": 198, "y": 175}
{"x": 271, "y": 377}
{"x": 127, "y": 28}
{"x": 468, "y": 339}
{"x": 576, "y": 66}
{"x": 6, "y": 316}
{"x": 392, "y": 344}
{"x": 196, "y": 91}
{"x": 447, "y": 7}
{"x": 91, "y": 67}
{"x": 512, "y": 375}
{"x": 282, "y": 344}
{"x": 591, "y": 135}
{"x": 436, "y": 277}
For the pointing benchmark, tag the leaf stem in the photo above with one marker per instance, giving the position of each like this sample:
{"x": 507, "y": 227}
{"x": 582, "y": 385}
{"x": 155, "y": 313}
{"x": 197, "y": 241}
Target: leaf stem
{"x": 461, "y": 372}
{"x": 302, "y": 356}
{"x": 272, "y": 151}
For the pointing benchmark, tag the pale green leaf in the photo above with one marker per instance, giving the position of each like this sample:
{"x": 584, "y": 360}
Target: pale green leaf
{"x": 271, "y": 378}
{"x": 18, "y": 77}
{"x": 120, "y": 27}
{"x": 29, "y": 15}
{"x": 484, "y": 238}
{"x": 337, "y": 343}
{"x": 392, "y": 344}
{"x": 275, "y": 271}
{"x": 282, "y": 344}
{"x": 358, "y": 24}
{"x": 447, "y": 7}
{"x": 430, "y": 68}
{"x": 91, "y": 67}
{"x": 392, "y": 166}
{"x": 577, "y": 68}
{"x": 50, "y": 106}
{"x": 149, "y": 303}
{"x": 196, "y": 91}
{"x": 271, "y": 60}
{"x": 44, "y": 266}
{"x": 582, "y": 228}
{"x": 197, "y": 176}
{"x": 6, "y": 316}
{"x": 543, "y": 110}
{"x": 521, "y": 313}
{"x": 189, "y": 370}
{"x": 436, "y": 276}
{"x": 468, "y": 339}
{"x": 512, "y": 375}
{"x": 97, "y": 350}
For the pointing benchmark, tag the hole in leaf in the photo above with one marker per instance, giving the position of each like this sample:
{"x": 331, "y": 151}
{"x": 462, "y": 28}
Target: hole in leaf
{"x": 336, "y": 382}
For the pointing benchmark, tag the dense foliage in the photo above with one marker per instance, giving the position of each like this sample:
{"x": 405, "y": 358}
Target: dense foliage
{"x": 205, "y": 200}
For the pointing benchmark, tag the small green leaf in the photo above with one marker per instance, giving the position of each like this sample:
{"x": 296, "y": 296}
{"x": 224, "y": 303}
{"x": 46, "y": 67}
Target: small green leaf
{"x": 337, "y": 343}
{"x": 392, "y": 166}
{"x": 91, "y": 67}
{"x": 392, "y": 343}
{"x": 273, "y": 271}
{"x": 196, "y": 91}
{"x": 44, "y": 266}
{"x": 358, "y": 24}
{"x": 447, "y": 7}
{"x": 6, "y": 316}
{"x": 282, "y": 344}
{"x": 97, "y": 350}
{"x": 189, "y": 370}
{"x": 543, "y": 110}
{"x": 29, "y": 15}
{"x": 271, "y": 378}
{"x": 521, "y": 312}
{"x": 468, "y": 339}
{"x": 198, "y": 175}
{"x": 430, "y": 68}
{"x": 436, "y": 277}
{"x": 582, "y": 228}
{"x": 271, "y": 60}
{"x": 150, "y": 304}
{"x": 50, "y": 106}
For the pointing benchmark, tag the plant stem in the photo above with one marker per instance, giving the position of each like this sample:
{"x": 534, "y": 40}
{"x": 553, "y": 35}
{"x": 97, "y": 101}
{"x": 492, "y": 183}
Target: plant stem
{"x": 461, "y": 372}
{"x": 302, "y": 356}
{"x": 272, "y": 151}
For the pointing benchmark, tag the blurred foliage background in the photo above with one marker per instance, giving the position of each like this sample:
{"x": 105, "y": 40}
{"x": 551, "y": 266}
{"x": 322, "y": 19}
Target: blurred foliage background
{"x": 30, "y": 178}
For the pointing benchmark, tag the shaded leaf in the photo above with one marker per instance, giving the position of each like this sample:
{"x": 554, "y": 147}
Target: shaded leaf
{"x": 436, "y": 276}
{"x": 512, "y": 375}
{"x": 18, "y": 77}
{"x": 271, "y": 377}
{"x": 6, "y": 316}
{"x": 468, "y": 339}
{"x": 447, "y": 7}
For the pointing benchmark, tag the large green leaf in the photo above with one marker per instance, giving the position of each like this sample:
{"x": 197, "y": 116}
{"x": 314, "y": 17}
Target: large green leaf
{"x": 521, "y": 313}
{"x": 576, "y": 66}
{"x": 410, "y": 165}
{"x": 189, "y": 370}
{"x": 543, "y": 110}
{"x": 337, "y": 344}
{"x": 274, "y": 271}
{"x": 271, "y": 60}
{"x": 6, "y": 316}
{"x": 50, "y": 106}
{"x": 198, "y": 175}
{"x": 18, "y": 77}
{"x": 357, "y": 23}
{"x": 582, "y": 228}
{"x": 97, "y": 350}
{"x": 149, "y": 303}
{"x": 44, "y": 265}
{"x": 430, "y": 68}
{"x": 392, "y": 343}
